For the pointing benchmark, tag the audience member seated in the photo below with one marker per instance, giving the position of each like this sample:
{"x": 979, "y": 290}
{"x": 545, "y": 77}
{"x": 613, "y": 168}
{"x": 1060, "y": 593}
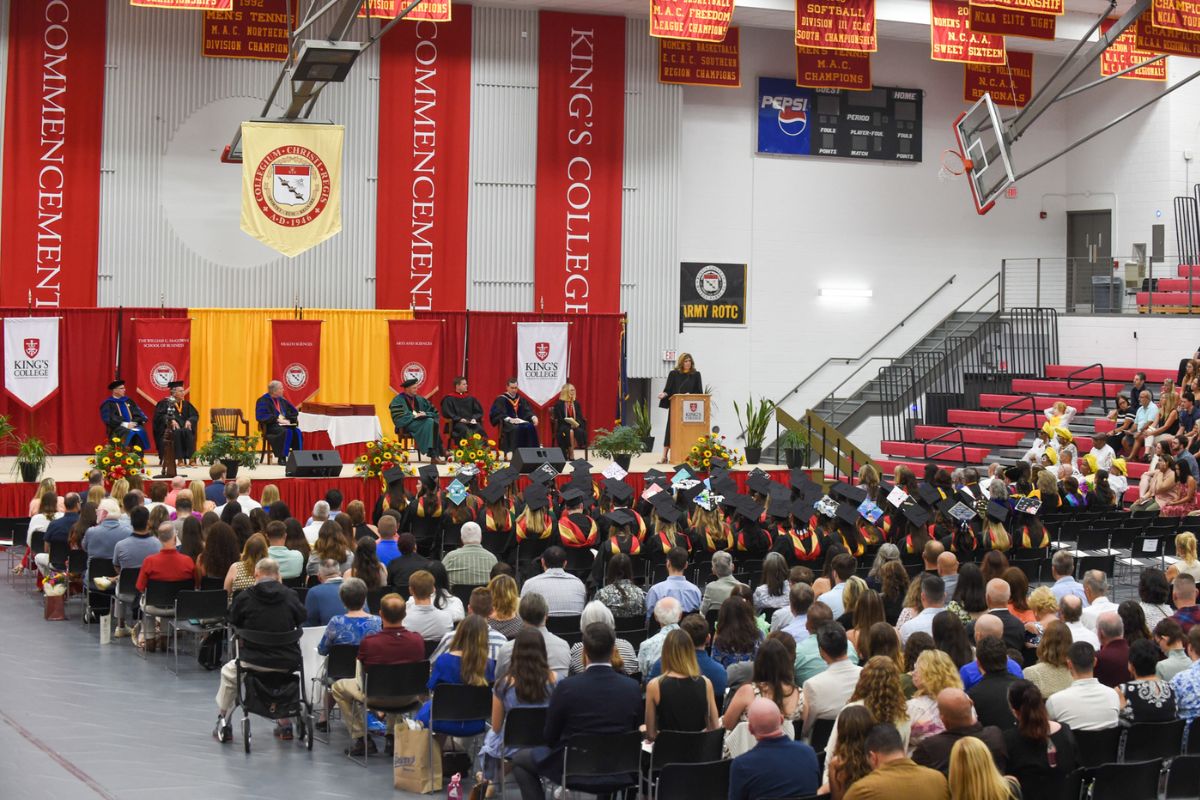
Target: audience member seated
{"x": 680, "y": 698}
{"x": 800, "y": 600}
{"x": 470, "y": 564}
{"x": 777, "y": 766}
{"x": 528, "y": 684}
{"x": 401, "y": 569}
{"x": 625, "y": 657}
{"x": 973, "y": 775}
{"x": 565, "y": 594}
{"x": 1095, "y": 589}
{"x": 667, "y": 613}
{"x": 826, "y": 693}
{"x": 998, "y": 594}
{"x": 533, "y": 612}
{"x": 1041, "y": 751}
{"x": 57, "y": 528}
{"x": 808, "y": 655}
{"x": 320, "y": 515}
{"x": 878, "y": 690}
{"x": 1187, "y": 613}
{"x": 167, "y": 565}
{"x": 291, "y": 562}
{"x": 893, "y": 774}
{"x": 843, "y": 567}
{"x": 958, "y": 721}
{"x": 422, "y": 616}
{"x": 1050, "y": 673}
{"x": 934, "y": 671}
{"x": 331, "y": 545}
{"x": 505, "y": 597}
{"x": 324, "y": 601}
{"x": 479, "y": 604}
{"x": 772, "y": 594}
{"x": 1062, "y": 568}
{"x": 387, "y": 549}
{"x": 620, "y": 594}
{"x": 947, "y": 570}
{"x": 675, "y": 585}
{"x": 1153, "y": 593}
{"x": 1173, "y": 644}
{"x": 987, "y": 626}
{"x": 1186, "y": 683}
{"x": 849, "y": 763}
{"x": 696, "y": 627}
{"x": 717, "y": 591}
{"x": 101, "y": 539}
{"x": 1087, "y": 704}
{"x": 772, "y": 679}
{"x": 1146, "y": 698}
{"x": 1070, "y": 609}
{"x": 354, "y": 623}
{"x": 990, "y": 694}
{"x": 1185, "y": 554}
{"x": 738, "y": 636}
{"x": 933, "y": 599}
{"x": 466, "y": 663}
{"x": 1112, "y": 661}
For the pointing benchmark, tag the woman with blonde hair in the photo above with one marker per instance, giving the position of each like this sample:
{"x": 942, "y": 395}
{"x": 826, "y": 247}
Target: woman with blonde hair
{"x": 566, "y": 417}
{"x": 95, "y": 495}
{"x": 879, "y": 690}
{"x": 270, "y": 494}
{"x": 912, "y": 602}
{"x": 933, "y": 672}
{"x": 868, "y": 610}
{"x": 200, "y": 502}
{"x": 241, "y": 573}
{"x": 46, "y": 486}
{"x": 853, "y": 589}
{"x": 680, "y": 699}
{"x": 684, "y": 379}
{"x": 973, "y": 773}
{"x": 119, "y": 489}
{"x": 505, "y": 598}
{"x": 1185, "y": 551}
{"x": 1050, "y": 673}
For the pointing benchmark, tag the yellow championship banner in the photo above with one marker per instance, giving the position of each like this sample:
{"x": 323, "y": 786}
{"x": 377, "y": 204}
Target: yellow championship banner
{"x": 426, "y": 11}
{"x": 1154, "y": 39}
{"x": 1178, "y": 15}
{"x": 186, "y": 5}
{"x": 291, "y": 184}
{"x": 1055, "y": 7}
{"x": 951, "y": 39}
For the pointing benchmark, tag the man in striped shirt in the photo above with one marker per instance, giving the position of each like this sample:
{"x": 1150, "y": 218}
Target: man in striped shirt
{"x": 471, "y": 564}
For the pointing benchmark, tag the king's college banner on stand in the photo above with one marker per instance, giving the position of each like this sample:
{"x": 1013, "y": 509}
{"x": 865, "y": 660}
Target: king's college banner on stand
{"x": 415, "y": 351}
{"x": 162, "y": 353}
{"x": 291, "y": 184}
{"x": 296, "y": 357}
{"x": 31, "y": 359}
{"x": 424, "y": 155}
{"x": 581, "y": 151}
{"x": 543, "y": 358}
{"x": 52, "y": 125}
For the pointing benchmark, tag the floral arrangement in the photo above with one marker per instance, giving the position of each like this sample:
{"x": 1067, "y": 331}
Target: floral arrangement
{"x": 382, "y": 455}
{"x": 709, "y": 447}
{"x": 117, "y": 461}
{"x": 55, "y": 583}
{"x": 241, "y": 449}
{"x": 478, "y": 451}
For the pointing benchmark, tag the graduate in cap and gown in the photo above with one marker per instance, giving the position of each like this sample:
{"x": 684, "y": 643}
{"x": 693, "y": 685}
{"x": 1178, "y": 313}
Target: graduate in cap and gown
{"x": 415, "y": 416}
{"x": 497, "y": 520}
{"x": 279, "y": 420}
{"x": 463, "y": 410}
{"x": 577, "y": 532}
{"x": 177, "y": 418}
{"x": 394, "y": 498}
{"x": 622, "y": 538}
{"x": 122, "y": 417}
{"x": 537, "y": 530}
{"x": 427, "y": 510}
{"x": 800, "y": 543}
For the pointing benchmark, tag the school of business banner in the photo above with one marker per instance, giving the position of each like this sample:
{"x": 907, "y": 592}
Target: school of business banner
{"x": 543, "y": 358}
{"x": 712, "y": 294}
{"x": 162, "y": 352}
{"x": 427, "y": 10}
{"x": 186, "y": 5}
{"x": 424, "y": 156}
{"x": 52, "y": 127}
{"x": 259, "y": 36}
{"x": 1166, "y": 40}
{"x": 415, "y": 348}
{"x": 1180, "y": 15}
{"x": 833, "y": 69}
{"x": 291, "y": 184}
{"x": 1123, "y": 53}
{"x": 31, "y": 361}
{"x": 952, "y": 39}
{"x": 296, "y": 357}
{"x": 1010, "y": 84}
{"x": 698, "y": 20}
{"x": 836, "y": 25}
{"x": 701, "y": 63}
{"x": 1006, "y": 22}
{"x": 580, "y": 163}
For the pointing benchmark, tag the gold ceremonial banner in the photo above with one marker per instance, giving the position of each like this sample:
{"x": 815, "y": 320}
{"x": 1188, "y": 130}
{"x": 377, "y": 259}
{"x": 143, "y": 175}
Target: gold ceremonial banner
{"x": 186, "y": 5}
{"x": 291, "y": 184}
{"x": 1178, "y": 15}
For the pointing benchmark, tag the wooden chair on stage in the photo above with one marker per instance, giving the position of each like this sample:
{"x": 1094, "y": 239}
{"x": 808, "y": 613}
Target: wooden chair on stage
{"x": 265, "y": 454}
{"x": 407, "y": 442}
{"x": 229, "y": 421}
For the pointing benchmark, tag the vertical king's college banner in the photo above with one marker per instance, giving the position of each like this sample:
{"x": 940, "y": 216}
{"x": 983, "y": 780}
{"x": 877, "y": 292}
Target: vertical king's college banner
{"x": 296, "y": 357}
{"x": 581, "y": 152}
{"x": 31, "y": 360}
{"x": 52, "y": 126}
{"x": 543, "y": 358}
{"x": 291, "y": 184}
{"x": 415, "y": 351}
{"x": 162, "y": 353}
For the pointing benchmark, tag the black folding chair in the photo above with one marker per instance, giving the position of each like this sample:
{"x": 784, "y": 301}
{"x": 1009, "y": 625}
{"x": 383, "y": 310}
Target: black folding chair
{"x": 251, "y": 703}
{"x": 523, "y": 727}
{"x": 612, "y": 762}
{"x": 390, "y": 688}
{"x": 199, "y": 613}
{"x": 1097, "y": 747}
{"x": 679, "y": 747}
{"x": 341, "y": 662}
{"x": 1143, "y": 741}
{"x": 97, "y": 568}
{"x": 1193, "y": 737}
{"x": 1133, "y": 780}
{"x": 162, "y": 595}
{"x": 463, "y": 591}
{"x": 818, "y": 737}
{"x": 126, "y": 593}
{"x": 14, "y": 538}
{"x": 458, "y": 702}
{"x": 566, "y": 627}
{"x": 375, "y": 597}
{"x": 694, "y": 781}
{"x": 1183, "y": 779}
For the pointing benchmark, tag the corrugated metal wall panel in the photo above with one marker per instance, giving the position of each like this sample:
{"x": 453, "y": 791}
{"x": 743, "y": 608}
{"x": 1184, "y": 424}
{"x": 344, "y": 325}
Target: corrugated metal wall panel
{"x": 649, "y": 249}
{"x": 503, "y": 160}
{"x": 156, "y": 81}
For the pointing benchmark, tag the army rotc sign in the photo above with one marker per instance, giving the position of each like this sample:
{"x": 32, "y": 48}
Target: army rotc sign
{"x": 712, "y": 294}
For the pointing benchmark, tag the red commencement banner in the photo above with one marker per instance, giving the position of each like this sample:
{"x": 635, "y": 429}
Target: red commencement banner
{"x": 1180, "y": 15}
{"x": 257, "y": 30}
{"x": 832, "y": 69}
{"x": 190, "y": 5}
{"x": 424, "y": 155}
{"x": 428, "y": 10}
{"x": 52, "y": 124}
{"x": 952, "y": 39}
{"x": 296, "y": 357}
{"x": 415, "y": 351}
{"x": 701, "y": 63}
{"x": 1012, "y": 23}
{"x": 698, "y": 20}
{"x": 1010, "y": 84}
{"x": 162, "y": 352}
{"x": 1124, "y": 53}
{"x": 581, "y": 151}
{"x": 836, "y": 25}
{"x": 1166, "y": 40}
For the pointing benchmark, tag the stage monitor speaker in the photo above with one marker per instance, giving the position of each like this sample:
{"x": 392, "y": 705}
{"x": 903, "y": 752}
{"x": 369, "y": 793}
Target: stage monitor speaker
{"x": 527, "y": 459}
{"x": 313, "y": 464}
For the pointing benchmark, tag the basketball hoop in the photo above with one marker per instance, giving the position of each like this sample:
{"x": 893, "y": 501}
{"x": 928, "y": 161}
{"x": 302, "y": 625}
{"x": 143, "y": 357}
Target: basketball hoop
{"x": 953, "y": 165}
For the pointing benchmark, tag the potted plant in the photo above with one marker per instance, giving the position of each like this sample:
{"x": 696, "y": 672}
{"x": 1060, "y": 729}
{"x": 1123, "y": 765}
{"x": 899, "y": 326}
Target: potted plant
{"x": 794, "y": 444}
{"x": 754, "y": 419}
{"x": 32, "y": 457}
{"x": 641, "y": 424}
{"x": 233, "y": 452}
{"x": 620, "y": 444}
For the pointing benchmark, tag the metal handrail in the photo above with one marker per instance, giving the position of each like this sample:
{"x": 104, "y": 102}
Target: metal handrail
{"x": 961, "y": 445}
{"x": 1088, "y": 382}
{"x": 1012, "y": 404}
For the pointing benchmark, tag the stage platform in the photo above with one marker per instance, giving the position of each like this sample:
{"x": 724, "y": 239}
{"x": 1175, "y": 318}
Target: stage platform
{"x": 301, "y": 493}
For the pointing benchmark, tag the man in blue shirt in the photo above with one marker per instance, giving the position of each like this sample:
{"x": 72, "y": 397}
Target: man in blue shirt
{"x": 1062, "y": 568}
{"x": 677, "y": 586}
{"x": 388, "y": 547}
{"x": 777, "y": 766}
{"x": 987, "y": 625}
{"x": 324, "y": 601}
{"x": 215, "y": 491}
{"x": 696, "y": 627}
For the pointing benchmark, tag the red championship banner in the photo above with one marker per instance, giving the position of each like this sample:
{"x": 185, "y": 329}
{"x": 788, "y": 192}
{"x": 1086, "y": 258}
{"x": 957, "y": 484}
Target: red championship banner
{"x": 1165, "y": 40}
{"x": 833, "y": 69}
{"x": 427, "y": 10}
{"x": 836, "y": 25}
{"x": 162, "y": 352}
{"x": 1055, "y": 7}
{"x": 1179, "y": 15}
{"x": 581, "y": 151}
{"x": 258, "y": 30}
{"x": 190, "y": 5}
{"x": 701, "y": 63}
{"x": 296, "y": 357}
{"x": 952, "y": 39}
{"x": 425, "y": 136}
{"x": 52, "y": 124}
{"x": 1124, "y": 53}
{"x": 1012, "y": 23}
{"x": 415, "y": 351}
{"x": 697, "y": 20}
{"x": 1010, "y": 84}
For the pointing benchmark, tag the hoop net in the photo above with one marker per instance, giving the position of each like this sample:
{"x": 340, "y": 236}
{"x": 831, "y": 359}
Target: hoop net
{"x": 953, "y": 165}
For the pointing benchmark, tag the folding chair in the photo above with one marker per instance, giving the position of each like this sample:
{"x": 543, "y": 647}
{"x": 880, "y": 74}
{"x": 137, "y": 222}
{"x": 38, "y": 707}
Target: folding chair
{"x": 678, "y": 748}
{"x": 341, "y": 662}
{"x": 523, "y": 727}
{"x": 196, "y": 612}
{"x": 463, "y": 591}
{"x": 1143, "y": 741}
{"x": 458, "y": 702}
{"x": 1135, "y": 779}
{"x": 390, "y": 688}
{"x": 1183, "y": 779}
{"x": 96, "y": 568}
{"x": 162, "y": 595}
{"x": 616, "y": 756}
{"x": 15, "y": 539}
{"x": 126, "y": 594}
{"x": 566, "y": 627}
{"x": 695, "y": 781}
{"x": 251, "y": 703}
{"x": 37, "y": 544}
{"x": 1098, "y": 747}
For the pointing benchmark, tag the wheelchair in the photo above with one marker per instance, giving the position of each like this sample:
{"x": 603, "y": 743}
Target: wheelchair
{"x": 273, "y": 695}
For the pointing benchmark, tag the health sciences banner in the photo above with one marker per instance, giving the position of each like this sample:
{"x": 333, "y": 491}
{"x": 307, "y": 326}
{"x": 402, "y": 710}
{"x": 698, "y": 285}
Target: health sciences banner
{"x": 833, "y": 69}
{"x": 187, "y": 5}
{"x": 296, "y": 357}
{"x": 1009, "y": 85}
{"x": 543, "y": 358}
{"x": 697, "y": 20}
{"x": 31, "y": 359}
{"x": 425, "y": 121}
{"x": 427, "y": 10}
{"x": 701, "y": 63}
{"x": 836, "y": 25}
{"x": 1123, "y": 53}
{"x": 291, "y": 184}
{"x": 416, "y": 352}
{"x": 581, "y": 152}
{"x": 162, "y": 353}
{"x": 51, "y": 216}
{"x": 1012, "y": 23}
{"x": 1180, "y": 15}
{"x": 951, "y": 38}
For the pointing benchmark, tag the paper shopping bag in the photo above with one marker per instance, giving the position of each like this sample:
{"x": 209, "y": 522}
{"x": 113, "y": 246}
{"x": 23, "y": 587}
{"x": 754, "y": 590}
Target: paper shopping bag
{"x": 411, "y": 765}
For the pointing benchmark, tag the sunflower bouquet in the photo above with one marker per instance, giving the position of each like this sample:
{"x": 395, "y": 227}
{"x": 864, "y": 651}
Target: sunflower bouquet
{"x": 382, "y": 455}
{"x": 116, "y": 461}
{"x": 712, "y": 446}
{"x": 478, "y": 451}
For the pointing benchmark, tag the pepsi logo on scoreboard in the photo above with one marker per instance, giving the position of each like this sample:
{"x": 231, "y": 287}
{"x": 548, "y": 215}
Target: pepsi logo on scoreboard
{"x": 784, "y": 111}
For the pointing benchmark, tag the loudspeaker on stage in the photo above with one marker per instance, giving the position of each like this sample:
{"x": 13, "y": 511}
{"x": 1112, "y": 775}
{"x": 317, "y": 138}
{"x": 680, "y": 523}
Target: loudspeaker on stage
{"x": 313, "y": 464}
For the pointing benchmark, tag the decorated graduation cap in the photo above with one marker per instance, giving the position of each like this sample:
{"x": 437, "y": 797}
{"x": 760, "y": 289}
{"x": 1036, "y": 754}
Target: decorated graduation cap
{"x": 654, "y": 477}
{"x": 621, "y": 517}
{"x": 396, "y": 475}
{"x": 706, "y": 499}
{"x": 117, "y": 384}
{"x": 916, "y": 515}
{"x": 467, "y": 474}
{"x": 1028, "y": 505}
{"x": 175, "y": 384}
{"x": 456, "y": 492}
{"x": 535, "y": 497}
{"x": 956, "y": 510}
{"x": 620, "y": 491}
{"x": 543, "y": 475}
{"x": 429, "y": 474}
{"x": 997, "y": 511}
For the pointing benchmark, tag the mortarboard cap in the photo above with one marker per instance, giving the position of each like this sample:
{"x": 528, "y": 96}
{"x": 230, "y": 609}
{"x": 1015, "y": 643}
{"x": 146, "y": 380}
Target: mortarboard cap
{"x": 1029, "y": 505}
{"x": 655, "y": 478}
{"x": 684, "y": 467}
{"x": 692, "y": 492}
{"x": 541, "y": 476}
{"x": 848, "y": 513}
{"x": 730, "y": 499}
{"x": 395, "y": 475}
{"x": 535, "y": 497}
{"x": 718, "y": 463}
{"x": 778, "y": 505}
{"x": 429, "y": 474}
{"x": 748, "y": 508}
{"x": 855, "y": 494}
{"x": 621, "y": 517}
{"x": 409, "y": 382}
{"x": 799, "y": 478}
{"x": 759, "y": 482}
{"x": 665, "y": 509}
{"x": 928, "y": 494}
{"x": 581, "y": 465}
{"x": 839, "y": 491}
{"x": 506, "y": 475}
{"x": 175, "y": 385}
{"x": 573, "y": 495}
{"x": 802, "y": 509}
{"x": 493, "y": 492}
{"x": 945, "y": 506}
{"x": 997, "y": 511}
{"x": 618, "y": 490}
{"x": 116, "y": 384}
{"x": 916, "y": 514}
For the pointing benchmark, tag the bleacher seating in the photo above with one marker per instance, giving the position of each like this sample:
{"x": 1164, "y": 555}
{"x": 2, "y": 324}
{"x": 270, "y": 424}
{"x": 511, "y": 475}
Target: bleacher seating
{"x": 1177, "y": 295}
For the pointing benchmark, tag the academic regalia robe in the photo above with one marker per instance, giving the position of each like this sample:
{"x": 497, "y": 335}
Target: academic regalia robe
{"x": 803, "y": 546}
{"x": 565, "y": 436}
{"x": 659, "y": 543}
{"x": 513, "y": 436}
{"x": 384, "y": 503}
{"x": 423, "y": 430}
{"x": 499, "y": 527}
{"x": 182, "y": 412}
{"x": 679, "y": 383}
{"x": 459, "y": 407}
{"x": 115, "y": 412}
{"x": 427, "y": 521}
{"x": 282, "y": 438}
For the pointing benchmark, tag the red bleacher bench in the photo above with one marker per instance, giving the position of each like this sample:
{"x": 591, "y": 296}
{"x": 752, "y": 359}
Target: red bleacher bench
{"x": 1026, "y": 421}
{"x": 1059, "y": 387}
{"x": 1185, "y": 270}
{"x": 987, "y": 436}
{"x": 1179, "y": 302}
{"x": 987, "y": 401}
{"x": 937, "y": 449}
{"x": 1119, "y": 374}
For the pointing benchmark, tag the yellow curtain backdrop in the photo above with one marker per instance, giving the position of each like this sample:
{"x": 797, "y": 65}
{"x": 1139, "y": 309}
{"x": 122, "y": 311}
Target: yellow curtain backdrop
{"x": 231, "y": 358}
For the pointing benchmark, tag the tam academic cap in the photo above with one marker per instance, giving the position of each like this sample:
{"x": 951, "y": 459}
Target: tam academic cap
{"x": 916, "y": 515}
{"x": 175, "y": 385}
{"x": 429, "y": 474}
{"x": 620, "y": 517}
{"x": 116, "y": 385}
{"x": 409, "y": 382}
{"x": 395, "y": 475}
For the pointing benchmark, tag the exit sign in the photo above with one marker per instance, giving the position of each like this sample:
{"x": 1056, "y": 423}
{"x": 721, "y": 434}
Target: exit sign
{"x": 1011, "y": 192}
{"x": 668, "y": 355}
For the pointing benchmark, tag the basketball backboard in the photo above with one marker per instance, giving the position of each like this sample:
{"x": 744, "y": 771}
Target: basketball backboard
{"x": 985, "y": 152}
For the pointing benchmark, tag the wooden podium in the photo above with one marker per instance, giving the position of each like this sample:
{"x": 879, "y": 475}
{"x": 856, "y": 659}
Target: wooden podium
{"x": 689, "y": 421}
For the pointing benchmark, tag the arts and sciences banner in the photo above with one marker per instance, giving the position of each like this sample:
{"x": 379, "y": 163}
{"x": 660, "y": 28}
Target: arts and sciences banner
{"x": 296, "y": 357}
{"x": 1006, "y": 22}
{"x": 31, "y": 360}
{"x": 836, "y": 25}
{"x": 415, "y": 348}
{"x": 1166, "y": 40}
{"x": 52, "y": 128}
{"x": 833, "y": 69}
{"x": 712, "y": 294}
{"x": 581, "y": 154}
{"x": 701, "y": 63}
{"x": 291, "y": 184}
{"x": 259, "y": 34}
{"x": 1009, "y": 85}
{"x": 1123, "y": 53}
{"x": 424, "y": 160}
{"x": 162, "y": 352}
{"x": 1179, "y": 15}
{"x": 186, "y": 5}
{"x": 697, "y": 20}
{"x": 952, "y": 39}
{"x": 543, "y": 358}
{"x": 427, "y": 10}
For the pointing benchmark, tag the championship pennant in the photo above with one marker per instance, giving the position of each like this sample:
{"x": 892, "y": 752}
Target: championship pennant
{"x": 701, "y": 63}
{"x": 296, "y": 357}
{"x": 697, "y": 20}
{"x": 427, "y": 10}
{"x": 1179, "y": 15}
{"x": 415, "y": 352}
{"x": 1124, "y": 53}
{"x": 1010, "y": 84}
{"x": 1006, "y": 22}
{"x": 952, "y": 39}
{"x": 832, "y": 69}
{"x": 261, "y": 36}
{"x": 31, "y": 362}
{"x": 162, "y": 353}
{"x": 1166, "y": 40}
{"x": 1055, "y": 7}
{"x": 836, "y": 25}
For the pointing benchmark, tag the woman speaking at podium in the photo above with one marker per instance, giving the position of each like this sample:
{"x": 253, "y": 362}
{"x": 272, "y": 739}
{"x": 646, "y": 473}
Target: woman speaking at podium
{"x": 684, "y": 379}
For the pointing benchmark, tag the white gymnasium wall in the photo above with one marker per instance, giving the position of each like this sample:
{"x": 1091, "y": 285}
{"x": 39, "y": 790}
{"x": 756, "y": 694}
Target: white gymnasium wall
{"x": 1128, "y": 341}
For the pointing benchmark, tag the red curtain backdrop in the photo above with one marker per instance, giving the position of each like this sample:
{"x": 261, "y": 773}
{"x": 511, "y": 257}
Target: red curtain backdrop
{"x": 454, "y": 346}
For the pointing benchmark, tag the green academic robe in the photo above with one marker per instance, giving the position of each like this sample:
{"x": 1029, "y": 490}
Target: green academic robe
{"x": 423, "y": 430}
